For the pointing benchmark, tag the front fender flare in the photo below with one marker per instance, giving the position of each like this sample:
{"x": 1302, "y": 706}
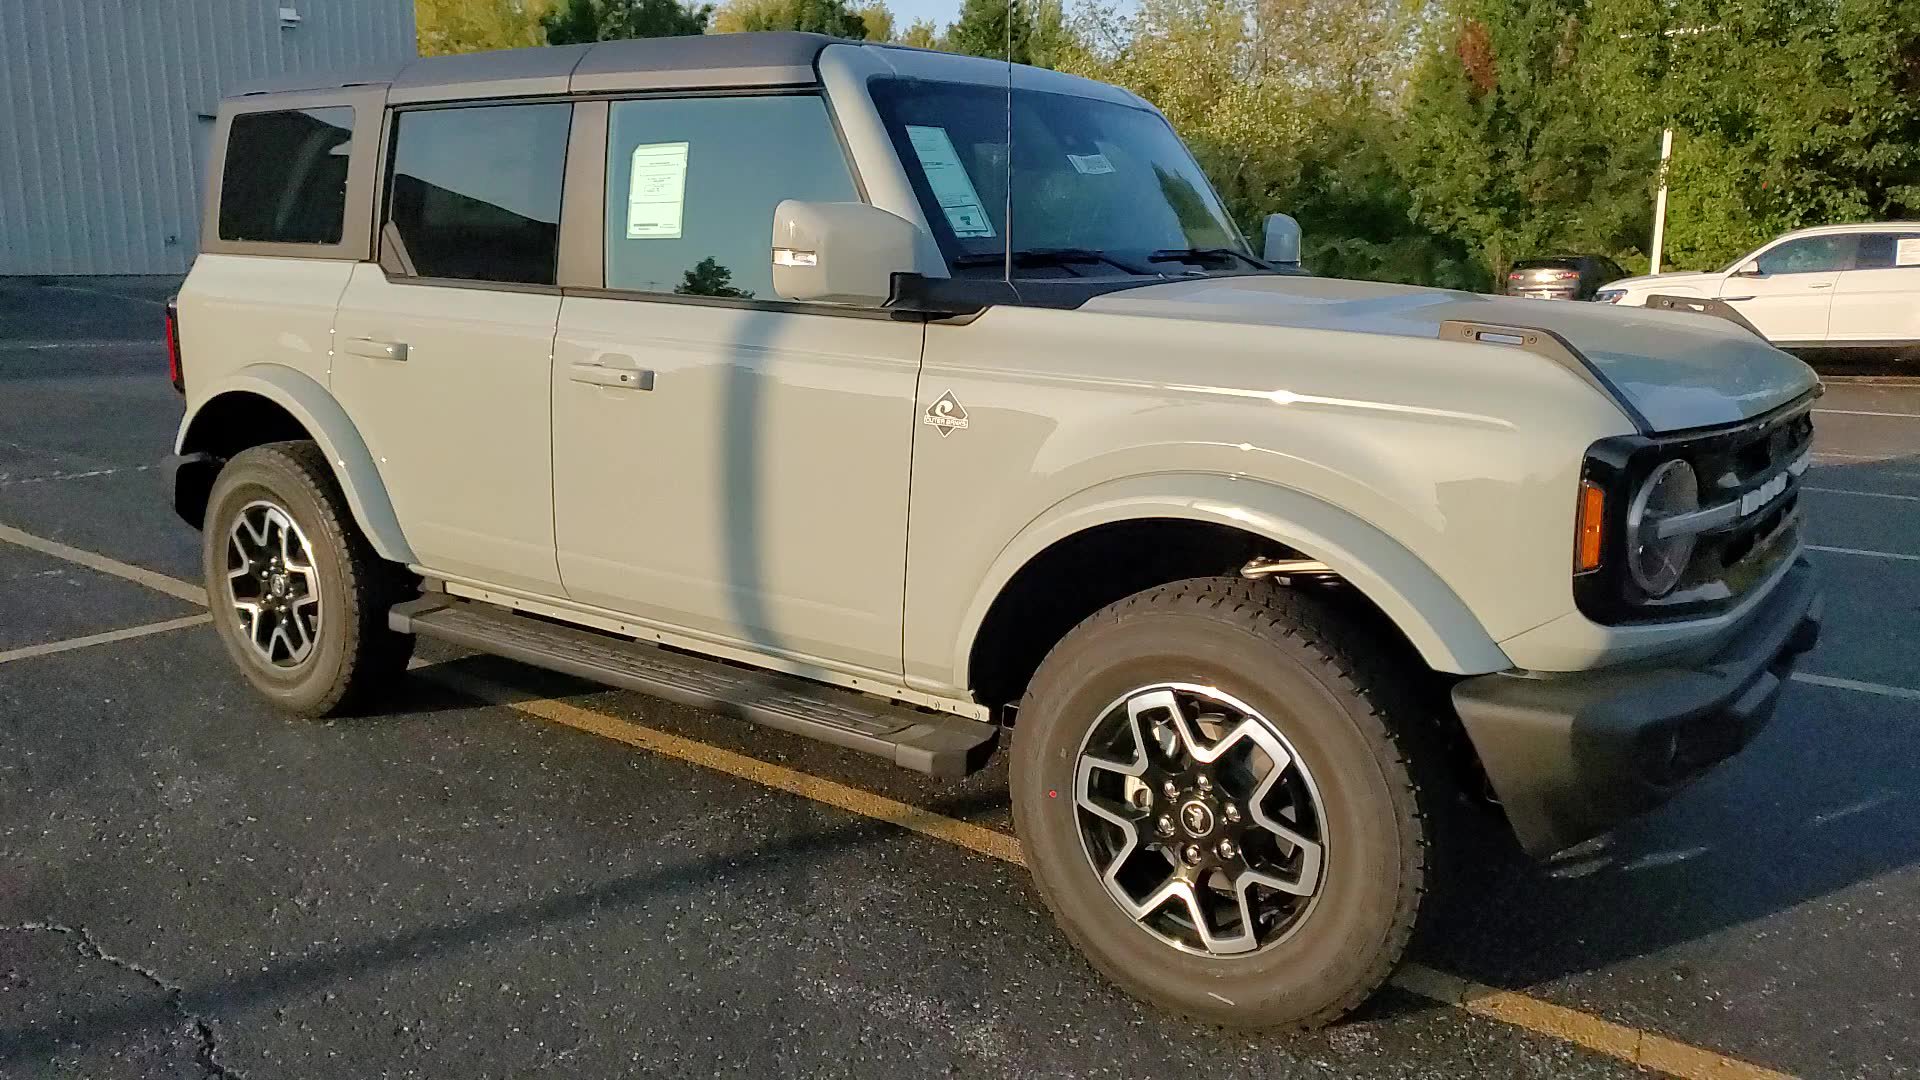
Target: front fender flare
{"x": 1434, "y": 618}
{"x": 330, "y": 426}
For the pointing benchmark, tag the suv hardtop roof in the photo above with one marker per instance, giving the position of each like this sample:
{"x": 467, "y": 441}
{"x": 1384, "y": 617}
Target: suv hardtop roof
{"x": 775, "y": 58}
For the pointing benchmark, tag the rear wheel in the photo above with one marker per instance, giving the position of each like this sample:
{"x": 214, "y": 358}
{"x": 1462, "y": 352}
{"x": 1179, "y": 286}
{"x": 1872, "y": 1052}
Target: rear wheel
{"x": 299, "y": 598}
{"x": 1215, "y": 806}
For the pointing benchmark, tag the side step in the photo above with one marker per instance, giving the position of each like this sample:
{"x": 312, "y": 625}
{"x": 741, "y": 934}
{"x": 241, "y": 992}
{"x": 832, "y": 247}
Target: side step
{"x": 928, "y": 742}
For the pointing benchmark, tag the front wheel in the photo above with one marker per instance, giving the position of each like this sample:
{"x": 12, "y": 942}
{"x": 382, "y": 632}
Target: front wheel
{"x": 299, "y": 598}
{"x": 1215, "y": 806}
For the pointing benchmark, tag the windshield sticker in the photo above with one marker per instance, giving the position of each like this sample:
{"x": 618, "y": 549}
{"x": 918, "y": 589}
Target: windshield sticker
{"x": 1908, "y": 252}
{"x": 1090, "y": 164}
{"x": 657, "y": 192}
{"x": 951, "y": 185}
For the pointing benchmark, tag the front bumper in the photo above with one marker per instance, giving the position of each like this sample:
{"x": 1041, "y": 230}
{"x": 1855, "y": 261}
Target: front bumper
{"x": 1572, "y": 755}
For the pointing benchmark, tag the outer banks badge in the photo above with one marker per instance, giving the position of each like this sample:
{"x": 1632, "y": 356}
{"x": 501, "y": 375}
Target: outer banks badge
{"x": 947, "y": 415}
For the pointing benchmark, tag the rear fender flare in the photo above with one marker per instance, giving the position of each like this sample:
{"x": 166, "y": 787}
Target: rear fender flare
{"x": 317, "y": 411}
{"x": 1438, "y": 623}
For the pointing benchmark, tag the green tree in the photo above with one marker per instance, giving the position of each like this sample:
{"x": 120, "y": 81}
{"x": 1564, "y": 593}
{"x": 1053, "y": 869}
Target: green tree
{"x": 575, "y": 22}
{"x": 829, "y": 17}
{"x": 460, "y": 26}
{"x": 983, "y": 30}
{"x": 922, "y": 34}
{"x": 709, "y": 278}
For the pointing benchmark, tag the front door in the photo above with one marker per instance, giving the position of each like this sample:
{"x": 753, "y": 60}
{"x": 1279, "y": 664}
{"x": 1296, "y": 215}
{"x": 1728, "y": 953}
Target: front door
{"x": 726, "y": 465}
{"x": 442, "y": 355}
{"x": 1790, "y": 297}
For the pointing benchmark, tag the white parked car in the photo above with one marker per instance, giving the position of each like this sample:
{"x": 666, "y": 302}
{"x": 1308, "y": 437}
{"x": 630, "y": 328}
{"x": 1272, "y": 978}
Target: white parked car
{"x": 1838, "y": 286}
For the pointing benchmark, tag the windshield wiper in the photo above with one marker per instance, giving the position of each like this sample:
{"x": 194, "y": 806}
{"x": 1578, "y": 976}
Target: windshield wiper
{"x": 1213, "y": 254}
{"x": 1057, "y": 256}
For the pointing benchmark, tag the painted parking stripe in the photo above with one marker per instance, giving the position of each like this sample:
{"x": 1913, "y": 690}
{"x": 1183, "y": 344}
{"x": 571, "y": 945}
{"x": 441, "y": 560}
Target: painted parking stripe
{"x": 1863, "y": 551}
{"x": 1858, "y": 412}
{"x": 1836, "y": 683}
{"x": 1866, "y": 494}
{"x": 108, "y": 638}
{"x": 172, "y": 586}
{"x": 1641, "y": 1048}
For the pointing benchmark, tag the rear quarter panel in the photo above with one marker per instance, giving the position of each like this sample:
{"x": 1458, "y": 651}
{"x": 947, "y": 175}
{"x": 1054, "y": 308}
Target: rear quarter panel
{"x": 240, "y": 310}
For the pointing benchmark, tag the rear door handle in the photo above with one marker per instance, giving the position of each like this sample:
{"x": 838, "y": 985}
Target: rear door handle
{"x": 377, "y": 350}
{"x": 616, "y": 377}
{"x": 1821, "y": 285}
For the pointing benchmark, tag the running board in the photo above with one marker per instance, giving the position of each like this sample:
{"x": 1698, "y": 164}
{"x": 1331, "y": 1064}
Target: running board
{"x": 928, "y": 742}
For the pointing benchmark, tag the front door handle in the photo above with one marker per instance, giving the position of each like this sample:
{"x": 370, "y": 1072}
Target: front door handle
{"x": 1821, "y": 285}
{"x": 618, "y": 378}
{"x": 377, "y": 350}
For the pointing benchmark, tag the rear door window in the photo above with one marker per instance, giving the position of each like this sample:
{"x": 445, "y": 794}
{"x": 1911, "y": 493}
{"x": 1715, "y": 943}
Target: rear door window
{"x": 285, "y": 180}
{"x": 1885, "y": 251}
{"x": 473, "y": 194}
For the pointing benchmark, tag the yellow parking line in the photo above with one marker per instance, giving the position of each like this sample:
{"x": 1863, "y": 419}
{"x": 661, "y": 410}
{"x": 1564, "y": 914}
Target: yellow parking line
{"x": 1631, "y": 1045}
{"x": 108, "y": 638}
{"x": 192, "y": 594}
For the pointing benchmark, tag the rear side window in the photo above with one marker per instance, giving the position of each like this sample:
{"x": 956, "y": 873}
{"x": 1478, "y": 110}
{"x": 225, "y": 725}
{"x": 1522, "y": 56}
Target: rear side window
{"x": 285, "y": 180}
{"x": 474, "y": 194}
{"x": 1884, "y": 251}
{"x": 692, "y": 185}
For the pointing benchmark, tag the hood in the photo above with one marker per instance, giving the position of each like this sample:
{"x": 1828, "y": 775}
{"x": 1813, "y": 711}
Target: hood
{"x": 1678, "y": 370}
{"x": 1682, "y": 282}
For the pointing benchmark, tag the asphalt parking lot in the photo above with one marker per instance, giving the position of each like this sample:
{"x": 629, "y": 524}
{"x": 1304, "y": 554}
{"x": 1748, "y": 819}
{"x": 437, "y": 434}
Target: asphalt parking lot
{"x": 504, "y": 873}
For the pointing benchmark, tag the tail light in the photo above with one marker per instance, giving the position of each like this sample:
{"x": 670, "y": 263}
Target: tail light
{"x": 175, "y": 374}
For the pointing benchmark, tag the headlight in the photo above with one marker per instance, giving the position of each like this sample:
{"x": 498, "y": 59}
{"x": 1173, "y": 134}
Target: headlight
{"x": 1656, "y": 564}
{"x": 1609, "y": 296}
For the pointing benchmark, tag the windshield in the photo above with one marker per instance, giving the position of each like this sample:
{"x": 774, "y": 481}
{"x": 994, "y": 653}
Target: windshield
{"x": 1089, "y": 176}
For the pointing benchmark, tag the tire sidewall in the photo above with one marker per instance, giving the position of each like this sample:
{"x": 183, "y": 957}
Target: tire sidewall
{"x": 1367, "y": 849}
{"x": 253, "y": 477}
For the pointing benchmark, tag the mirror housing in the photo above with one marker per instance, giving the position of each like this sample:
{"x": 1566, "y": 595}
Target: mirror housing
{"x": 1281, "y": 242}
{"x": 840, "y": 252}
{"x": 1751, "y": 269}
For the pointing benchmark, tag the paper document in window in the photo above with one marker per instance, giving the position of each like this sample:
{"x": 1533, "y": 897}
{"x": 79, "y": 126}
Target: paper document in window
{"x": 657, "y": 191}
{"x": 951, "y": 185}
{"x": 1090, "y": 164}
{"x": 1907, "y": 253}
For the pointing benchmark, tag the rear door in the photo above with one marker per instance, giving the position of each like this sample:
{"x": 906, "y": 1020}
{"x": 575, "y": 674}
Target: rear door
{"x": 1790, "y": 298}
{"x": 442, "y": 349}
{"x": 1878, "y": 301}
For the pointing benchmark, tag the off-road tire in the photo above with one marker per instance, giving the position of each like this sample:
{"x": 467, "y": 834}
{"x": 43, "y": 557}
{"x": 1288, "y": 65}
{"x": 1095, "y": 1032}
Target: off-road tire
{"x": 1331, "y": 689}
{"x": 353, "y": 652}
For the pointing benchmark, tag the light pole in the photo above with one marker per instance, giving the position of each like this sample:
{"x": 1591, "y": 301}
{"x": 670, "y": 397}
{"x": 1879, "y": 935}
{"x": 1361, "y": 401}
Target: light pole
{"x": 1660, "y": 200}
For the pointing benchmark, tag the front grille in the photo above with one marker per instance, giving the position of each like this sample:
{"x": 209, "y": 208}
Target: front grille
{"x": 1735, "y": 464}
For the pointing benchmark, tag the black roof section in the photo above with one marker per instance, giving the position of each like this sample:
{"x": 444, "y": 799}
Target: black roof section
{"x": 780, "y": 58}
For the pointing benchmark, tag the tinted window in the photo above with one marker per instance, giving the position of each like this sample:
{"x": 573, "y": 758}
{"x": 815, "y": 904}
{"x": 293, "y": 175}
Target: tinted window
{"x": 286, "y": 176}
{"x": 1883, "y": 251}
{"x": 1811, "y": 255}
{"x": 475, "y": 193}
{"x": 692, "y": 184}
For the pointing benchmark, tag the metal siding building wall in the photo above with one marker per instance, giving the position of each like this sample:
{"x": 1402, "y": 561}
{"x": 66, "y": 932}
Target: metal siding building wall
{"x": 100, "y": 114}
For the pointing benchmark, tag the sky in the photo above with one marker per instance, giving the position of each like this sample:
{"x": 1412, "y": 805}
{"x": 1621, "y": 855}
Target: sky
{"x": 906, "y": 11}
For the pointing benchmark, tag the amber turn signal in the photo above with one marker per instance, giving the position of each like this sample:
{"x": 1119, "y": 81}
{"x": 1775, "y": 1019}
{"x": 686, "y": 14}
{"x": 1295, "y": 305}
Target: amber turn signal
{"x": 1588, "y": 528}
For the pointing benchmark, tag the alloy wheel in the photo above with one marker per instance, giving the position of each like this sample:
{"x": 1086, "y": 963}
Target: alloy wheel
{"x": 272, "y": 585}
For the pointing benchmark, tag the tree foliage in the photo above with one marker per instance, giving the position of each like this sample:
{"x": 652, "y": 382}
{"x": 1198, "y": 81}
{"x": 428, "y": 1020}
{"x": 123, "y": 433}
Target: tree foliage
{"x": 460, "y": 26}
{"x": 829, "y": 17}
{"x": 574, "y": 22}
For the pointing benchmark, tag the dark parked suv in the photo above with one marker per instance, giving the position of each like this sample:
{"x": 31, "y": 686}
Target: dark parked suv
{"x": 1563, "y": 277}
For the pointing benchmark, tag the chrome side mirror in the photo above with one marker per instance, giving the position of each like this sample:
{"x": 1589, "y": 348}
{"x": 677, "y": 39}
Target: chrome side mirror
{"x": 1281, "y": 244}
{"x": 840, "y": 253}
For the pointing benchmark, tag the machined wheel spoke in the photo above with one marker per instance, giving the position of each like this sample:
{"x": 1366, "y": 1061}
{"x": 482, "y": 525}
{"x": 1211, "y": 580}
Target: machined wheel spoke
{"x": 273, "y": 585}
{"x": 1175, "y": 836}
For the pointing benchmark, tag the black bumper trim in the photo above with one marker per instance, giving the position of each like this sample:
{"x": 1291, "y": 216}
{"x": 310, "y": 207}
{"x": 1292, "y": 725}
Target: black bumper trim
{"x": 189, "y": 477}
{"x": 1572, "y": 755}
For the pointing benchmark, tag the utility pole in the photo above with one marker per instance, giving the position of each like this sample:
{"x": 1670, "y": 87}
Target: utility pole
{"x": 1660, "y": 200}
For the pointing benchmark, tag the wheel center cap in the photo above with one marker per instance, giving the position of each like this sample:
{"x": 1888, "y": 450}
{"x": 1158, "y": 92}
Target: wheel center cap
{"x": 1196, "y": 817}
{"x": 277, "y": 584}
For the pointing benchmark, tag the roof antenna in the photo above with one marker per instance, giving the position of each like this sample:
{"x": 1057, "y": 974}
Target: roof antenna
{"x": 1006, "y": 214}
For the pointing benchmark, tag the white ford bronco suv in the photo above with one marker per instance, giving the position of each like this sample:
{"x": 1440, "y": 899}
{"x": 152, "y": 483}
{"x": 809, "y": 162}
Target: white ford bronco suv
{"x": 899, "y": 399}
